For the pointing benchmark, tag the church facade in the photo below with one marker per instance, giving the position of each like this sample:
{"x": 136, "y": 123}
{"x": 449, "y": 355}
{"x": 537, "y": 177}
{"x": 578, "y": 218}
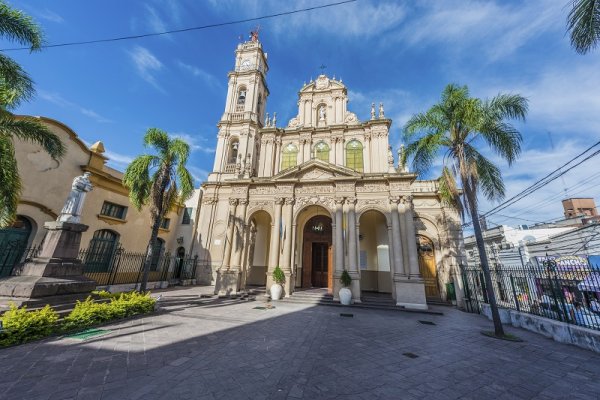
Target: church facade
{"x": 319, "y": 196}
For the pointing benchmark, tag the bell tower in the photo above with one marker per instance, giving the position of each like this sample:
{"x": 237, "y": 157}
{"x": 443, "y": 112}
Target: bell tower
{"x": 239, "y": 128}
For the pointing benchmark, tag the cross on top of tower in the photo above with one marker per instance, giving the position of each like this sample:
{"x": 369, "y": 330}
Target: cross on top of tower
{"x": 254, "y": 34}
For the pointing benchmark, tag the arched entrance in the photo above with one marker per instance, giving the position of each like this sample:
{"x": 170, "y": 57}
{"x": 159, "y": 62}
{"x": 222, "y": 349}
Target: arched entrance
{"x": 258, "y": 249}
{"x": 13, "y": 243}
{"x": 374, "y": 261}
{"x": 317, "y": 265}
{"x": 427, "y": 267}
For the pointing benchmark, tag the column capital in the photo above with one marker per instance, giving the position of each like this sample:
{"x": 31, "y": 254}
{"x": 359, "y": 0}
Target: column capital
{"x": 351, "y": 200}
{"x": 279, "y": 200}
{"x": 233, "y": 202}
{"x": 407, "y": 200}
{"x": 339, "y": 200}
{"x": 244, "y": 202}
{"x": 395, "y": 200}
{"x": 289, "y": 201}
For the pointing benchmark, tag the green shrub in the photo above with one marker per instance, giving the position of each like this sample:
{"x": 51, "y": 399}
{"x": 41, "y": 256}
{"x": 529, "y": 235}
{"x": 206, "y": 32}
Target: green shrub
{"x": 278, "y": 275}
{"x": 121, "y": 305}
{"x": 22, "y": 326}
{"x": 346, "y": 279}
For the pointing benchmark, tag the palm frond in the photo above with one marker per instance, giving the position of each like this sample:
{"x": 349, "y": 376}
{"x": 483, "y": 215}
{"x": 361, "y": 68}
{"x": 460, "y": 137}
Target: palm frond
{"x": 15, "y": 84}
{"x": 485, "y": 174}
{"x": 511, "y": 106}
{"x": 583, "y": 22}
{"x": 186, "y": 183}
{"x": 180, "y": 149}
{"x": 158, "y": 139}
{"x": 19, "y": 27}
{"x": 503, "y": 138}
{"x": 30, "y": 130}
{"x": 10, "y": 187}
{"x": 137, "y": 179}
{"x": 449, "y": 192}
{"x": 424, "y": 151}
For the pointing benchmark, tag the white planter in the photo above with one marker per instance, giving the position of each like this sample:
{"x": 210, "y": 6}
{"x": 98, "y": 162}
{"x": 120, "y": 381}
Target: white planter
{"x": 276, "y": 290}
{"x": 345, "y": 296}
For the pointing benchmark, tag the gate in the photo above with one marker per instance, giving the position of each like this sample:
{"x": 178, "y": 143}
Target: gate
{"x": 13, "y": 243}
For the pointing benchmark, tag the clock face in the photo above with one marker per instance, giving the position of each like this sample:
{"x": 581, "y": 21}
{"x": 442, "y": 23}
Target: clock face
{"x": 245, "y": 63}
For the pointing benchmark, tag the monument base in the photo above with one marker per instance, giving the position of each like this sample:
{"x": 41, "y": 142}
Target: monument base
{"x": 410, "y": 294}
{"x": 228, "y": 282}
{"x": 56, "y": 272}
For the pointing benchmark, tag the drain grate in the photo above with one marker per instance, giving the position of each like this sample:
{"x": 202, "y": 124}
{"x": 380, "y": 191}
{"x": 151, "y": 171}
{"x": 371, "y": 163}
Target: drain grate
{"x": 427, "y": 322}
{"x": 346, "y": 315}
{"x": 88, "y": 333}
{"x": 410, "y": 355}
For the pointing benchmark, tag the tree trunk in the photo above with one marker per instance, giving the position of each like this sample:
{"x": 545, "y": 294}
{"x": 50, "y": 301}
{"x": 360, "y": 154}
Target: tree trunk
{"x": 489, "y": 288}
{"x": 156, "y": 220}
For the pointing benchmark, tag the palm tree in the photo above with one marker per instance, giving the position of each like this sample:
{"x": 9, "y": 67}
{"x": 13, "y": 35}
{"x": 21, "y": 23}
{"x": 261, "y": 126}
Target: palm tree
{"x": 455, "y": 126}
{"x": 159, "y": 180}
{"x": 583, "y": 23}
{"x": 15, "y": 87}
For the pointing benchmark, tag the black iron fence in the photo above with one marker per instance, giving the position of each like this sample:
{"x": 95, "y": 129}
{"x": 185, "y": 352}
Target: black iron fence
{"x": 569, "y": 294}
{"x": 11, "y": 255}
{"x": 125, "y": 267}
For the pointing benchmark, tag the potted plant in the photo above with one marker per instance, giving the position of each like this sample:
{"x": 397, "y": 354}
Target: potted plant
{"x": 277, "y": 288}
{"x": 345, "y": 293}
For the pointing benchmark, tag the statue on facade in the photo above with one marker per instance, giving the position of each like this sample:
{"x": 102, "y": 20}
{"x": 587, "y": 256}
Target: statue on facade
{"x": 322, "y": 113}
{"x": 381, "y": 113}
{"x": 274, "y": 121}
{"x": 390, "y": 156}
{"x": 372, "y": 110}
{"x": 71, "y": 211}
{"x": 267, "y": 120}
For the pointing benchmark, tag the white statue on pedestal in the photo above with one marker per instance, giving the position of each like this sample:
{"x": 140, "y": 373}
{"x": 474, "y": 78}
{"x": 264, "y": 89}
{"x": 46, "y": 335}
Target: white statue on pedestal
{"x": 322, "y": 113}
{"x": 71, "y": 211}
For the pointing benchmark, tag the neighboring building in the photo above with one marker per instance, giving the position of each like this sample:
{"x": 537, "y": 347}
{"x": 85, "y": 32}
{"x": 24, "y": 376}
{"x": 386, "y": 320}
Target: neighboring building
{"x": 577, "y": 207}
{"x": 319, "y": 196}
{"x": 508, "y": 246}
{"x": 582, "y": 241}
{"x": 113, "y": 222}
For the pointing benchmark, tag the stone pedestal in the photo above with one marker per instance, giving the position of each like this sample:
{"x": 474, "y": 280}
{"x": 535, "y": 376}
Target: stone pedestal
{"x": 410, "y": 293}
{"x": 55, "y": 272}
{"x": 227, "y": 282}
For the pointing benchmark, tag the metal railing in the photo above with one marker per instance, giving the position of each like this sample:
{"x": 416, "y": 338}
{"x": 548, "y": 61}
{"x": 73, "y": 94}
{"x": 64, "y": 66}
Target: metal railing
{"x": 568, "y": 294}
{"x": 125, "y": 267}
{"x": 11, "y": 255}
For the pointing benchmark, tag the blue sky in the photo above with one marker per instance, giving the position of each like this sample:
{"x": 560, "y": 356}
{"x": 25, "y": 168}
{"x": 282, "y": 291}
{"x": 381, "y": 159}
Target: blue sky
{"x": 402, "y": 53}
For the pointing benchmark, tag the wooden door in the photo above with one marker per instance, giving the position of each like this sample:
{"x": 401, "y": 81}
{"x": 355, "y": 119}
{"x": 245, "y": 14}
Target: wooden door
{"x": 320, "y": 267}
{"x": 427, "y": 267}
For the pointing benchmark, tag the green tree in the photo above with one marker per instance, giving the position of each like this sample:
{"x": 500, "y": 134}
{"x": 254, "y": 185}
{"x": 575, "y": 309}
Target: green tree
{"x": 16, "y": 87}
{"x": 454, "y": 127}
{"x": 160, "y": 180}
{"x": 583, "y": 23}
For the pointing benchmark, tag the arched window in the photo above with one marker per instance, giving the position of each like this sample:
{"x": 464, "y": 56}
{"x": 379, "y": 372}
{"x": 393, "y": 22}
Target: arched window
{"x": 322, "y": 151}
{"x": 259, "y": 105}
{"x": 241, "y": 99}
{"x": 233, "y": 151}
{"x": 13, "y": 244}
{"x": 101, "y": 250}
{"x": 157, "y": 253}
{"x": 354, "y": 155}
{"x": 289, "y": 157}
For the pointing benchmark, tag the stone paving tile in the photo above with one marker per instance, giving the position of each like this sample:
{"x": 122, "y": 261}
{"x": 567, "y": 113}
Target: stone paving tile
{"x": 198, "y": 349}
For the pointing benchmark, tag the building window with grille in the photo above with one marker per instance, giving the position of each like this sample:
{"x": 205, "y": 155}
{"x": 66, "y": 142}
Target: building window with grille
{"x": 322, "y": 151}
{"x": 289, "y": 157}
{"x": 354, "y": 155}
{"x": 113, "y": 210}
{"x": 187, "y": 216}
{"x": 101, "y": 250}
{"x": 165, "y": 222}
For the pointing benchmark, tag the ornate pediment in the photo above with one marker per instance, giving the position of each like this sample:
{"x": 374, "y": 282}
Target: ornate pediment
{"x": 316, "y": 170}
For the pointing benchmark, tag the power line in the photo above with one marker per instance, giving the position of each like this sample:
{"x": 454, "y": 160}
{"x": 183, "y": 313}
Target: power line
{"x": 544, "y": 181}
{"x": 195, "y": 28}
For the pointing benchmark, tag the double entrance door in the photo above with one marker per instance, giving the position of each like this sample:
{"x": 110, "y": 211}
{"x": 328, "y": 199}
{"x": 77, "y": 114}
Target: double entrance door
{"x": 320, "y": 264}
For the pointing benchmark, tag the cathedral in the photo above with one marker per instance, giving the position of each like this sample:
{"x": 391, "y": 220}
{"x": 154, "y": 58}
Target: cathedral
{"x": 320, "y": 196}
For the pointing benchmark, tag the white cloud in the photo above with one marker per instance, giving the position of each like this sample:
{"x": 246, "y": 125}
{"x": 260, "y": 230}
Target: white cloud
{"x": 354, "y": 20}
{"x": 199, "y": 174}
{"x": 57, "y": 99}
{"x": 208, "y": 78}
{"x": 49, "y": 15}
{"x": 196, "y": 142}
{"x": 146, "y": 64}
{"x": 118, "y": 160}
{"x": 154, "y": 20}
{"x": 493, "y": 29}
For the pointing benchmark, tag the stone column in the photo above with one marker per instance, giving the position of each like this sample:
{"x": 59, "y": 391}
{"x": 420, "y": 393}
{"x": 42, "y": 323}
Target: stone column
{"x": 287, "y": 246}
{"x": 413, "y": 255}
{"x": 404, "y": 237}
{"x": 352, "y": 249}
{"x": 301, "y": 152}
{"x": 275, "y": 242}
{"x": 239, "y": 238}
{"x": 277, "y": 165}
{"x": 226, "y": 283}
{"x": 398, "y": 265}
{"x": 368, "y": 153}
{"x": 338, "y": 244}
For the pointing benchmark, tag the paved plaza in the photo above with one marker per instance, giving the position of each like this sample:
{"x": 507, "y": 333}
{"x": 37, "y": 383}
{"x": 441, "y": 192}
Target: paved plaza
{"x": 205, "y": 349}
